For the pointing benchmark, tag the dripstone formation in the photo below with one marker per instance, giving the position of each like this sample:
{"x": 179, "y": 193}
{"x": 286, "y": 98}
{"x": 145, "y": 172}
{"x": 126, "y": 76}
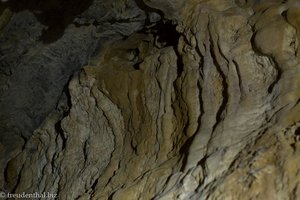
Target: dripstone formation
{"x": 150, "y": 99}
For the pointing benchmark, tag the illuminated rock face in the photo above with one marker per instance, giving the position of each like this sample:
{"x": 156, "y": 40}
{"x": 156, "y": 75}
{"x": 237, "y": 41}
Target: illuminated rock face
{"x": 203, "y": 104}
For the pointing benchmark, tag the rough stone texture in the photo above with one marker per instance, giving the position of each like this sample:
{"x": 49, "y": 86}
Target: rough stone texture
{"x": 204, "y": 104}
{"x": 35, "y": 72}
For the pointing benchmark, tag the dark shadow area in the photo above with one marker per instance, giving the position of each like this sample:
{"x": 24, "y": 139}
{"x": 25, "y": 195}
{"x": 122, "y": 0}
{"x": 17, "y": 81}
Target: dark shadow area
{"x": 55, "y": 14}
{"x": 65, "y": 112}
{"x": 185, "y": 150}
{"x": 166, "y": 34}
{"x": 136, "y": 52}
{"x": 141, "y": 4}
{"x": 297, "y": 132}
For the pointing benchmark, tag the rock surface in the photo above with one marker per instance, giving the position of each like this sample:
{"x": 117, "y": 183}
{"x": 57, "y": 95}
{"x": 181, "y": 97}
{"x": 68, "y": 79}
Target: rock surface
{"x": 165, "y": 100}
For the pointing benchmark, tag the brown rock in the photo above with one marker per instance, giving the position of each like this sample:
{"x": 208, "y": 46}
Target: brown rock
{"x": 209, "y": 113}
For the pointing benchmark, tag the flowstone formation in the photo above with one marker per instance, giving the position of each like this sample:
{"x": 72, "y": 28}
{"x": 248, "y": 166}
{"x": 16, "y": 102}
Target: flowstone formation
{"x": 152, "y": 100}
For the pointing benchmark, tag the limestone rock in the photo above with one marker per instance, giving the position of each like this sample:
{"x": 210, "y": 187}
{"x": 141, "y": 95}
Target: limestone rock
{"x": 35, "y": 72}
{"x": 203, "y": 104}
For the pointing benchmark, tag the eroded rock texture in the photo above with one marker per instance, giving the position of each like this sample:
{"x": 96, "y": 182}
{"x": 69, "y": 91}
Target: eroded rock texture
{"x": 165, "y": 100}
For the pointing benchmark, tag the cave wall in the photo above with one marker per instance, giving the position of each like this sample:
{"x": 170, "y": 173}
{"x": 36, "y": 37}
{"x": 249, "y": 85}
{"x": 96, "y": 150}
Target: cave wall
{"x": 153, "y": 100}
